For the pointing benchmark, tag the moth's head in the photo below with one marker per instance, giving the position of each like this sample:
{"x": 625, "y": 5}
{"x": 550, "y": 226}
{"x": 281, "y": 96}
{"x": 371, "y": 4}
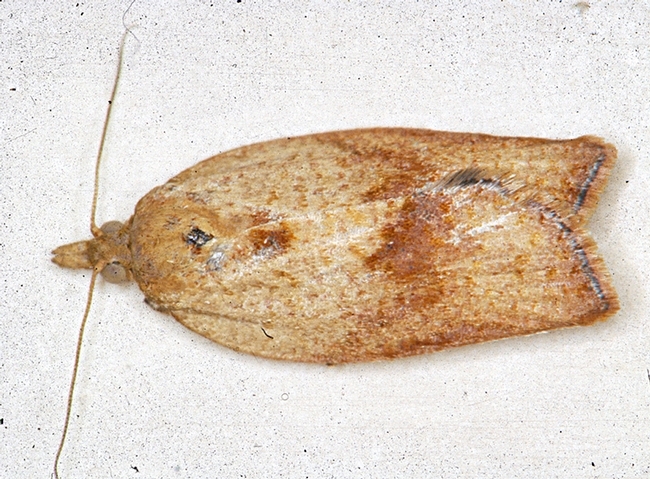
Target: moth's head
{"x": 108, "y": 252}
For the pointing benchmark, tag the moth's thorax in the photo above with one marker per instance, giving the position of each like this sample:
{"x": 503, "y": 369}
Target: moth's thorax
{"x": 108, "y": 251}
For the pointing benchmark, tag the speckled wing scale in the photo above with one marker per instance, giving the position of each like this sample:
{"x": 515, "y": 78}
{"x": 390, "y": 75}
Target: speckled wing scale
{"x": 371, "y": 244}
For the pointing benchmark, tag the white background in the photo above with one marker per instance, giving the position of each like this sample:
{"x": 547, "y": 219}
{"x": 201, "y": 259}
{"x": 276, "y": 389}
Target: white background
{"x": 207, "y": 76}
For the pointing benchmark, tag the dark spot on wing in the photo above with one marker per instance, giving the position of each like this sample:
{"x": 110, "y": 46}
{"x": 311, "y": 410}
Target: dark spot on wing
{"x": 269, "y": 241}
{"x": 197, "y": 238}
{"x": 467, "y": 177}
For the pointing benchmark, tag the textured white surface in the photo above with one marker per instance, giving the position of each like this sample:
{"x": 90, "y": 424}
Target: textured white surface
{"x": 157, "y": 401}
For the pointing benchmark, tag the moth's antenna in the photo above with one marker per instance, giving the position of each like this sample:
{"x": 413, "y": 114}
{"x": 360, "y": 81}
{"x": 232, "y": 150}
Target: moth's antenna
{"x": 93, "y": 227}
{"x": 74, "y": 371}
{"x": 96, "y": 232}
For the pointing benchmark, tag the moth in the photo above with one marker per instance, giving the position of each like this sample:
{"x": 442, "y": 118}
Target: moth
{"x": 368, "y": 244}
{"x": 363, "y": 245}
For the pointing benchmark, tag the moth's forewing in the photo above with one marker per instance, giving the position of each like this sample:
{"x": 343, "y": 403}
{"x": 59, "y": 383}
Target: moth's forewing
{"x": 369, "y": 244}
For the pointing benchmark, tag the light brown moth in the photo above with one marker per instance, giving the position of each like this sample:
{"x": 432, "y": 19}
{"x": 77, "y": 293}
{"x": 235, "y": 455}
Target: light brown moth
{"x": 369, "y": 244}
{"x": 364, "y": 245}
